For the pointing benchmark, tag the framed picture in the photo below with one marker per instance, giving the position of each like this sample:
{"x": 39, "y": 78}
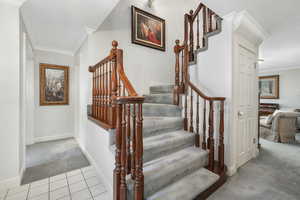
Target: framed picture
{"x": 269, "y": 87}
{"x": 148, "y": 30}
{"x": 54, "y": 85}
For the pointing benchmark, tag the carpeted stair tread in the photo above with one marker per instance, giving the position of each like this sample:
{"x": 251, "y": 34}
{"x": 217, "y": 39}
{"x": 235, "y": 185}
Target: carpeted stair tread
{"x": 159, "y": 98}
{"x": 160, "y": 125}
{"x": 161, "y": 110}
{"x": 187, "y": 188}
{"x": 159, "y": 89}
{"x": 167, "y": 143}
{"x": 161, "y": 172}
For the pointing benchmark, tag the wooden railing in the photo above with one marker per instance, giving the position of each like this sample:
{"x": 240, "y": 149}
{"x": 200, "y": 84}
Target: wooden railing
{"x": 197, "y": 106}
{"x": 117, "y": 105}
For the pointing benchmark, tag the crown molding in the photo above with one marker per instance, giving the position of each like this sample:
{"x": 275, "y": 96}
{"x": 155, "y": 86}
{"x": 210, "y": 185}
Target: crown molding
{"x": 39, "y": 48}
{"x": 245, "y": 24}
{"x": 14, "y": 2}
{"x": 276, "y": 69}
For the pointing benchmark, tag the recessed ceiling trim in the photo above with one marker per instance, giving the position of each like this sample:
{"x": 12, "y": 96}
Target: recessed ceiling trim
{"x": 272, "y": 69}
{"x": 14, "y": 2}
{"x": 38, "y": 48}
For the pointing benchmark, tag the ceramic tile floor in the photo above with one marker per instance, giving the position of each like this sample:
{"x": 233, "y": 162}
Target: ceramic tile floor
{"x": 81, "y": 184}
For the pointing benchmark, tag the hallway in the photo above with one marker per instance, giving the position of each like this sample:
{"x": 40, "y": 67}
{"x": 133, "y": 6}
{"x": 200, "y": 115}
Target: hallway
{"x": 273, "y": 175}
{"x": 48, "y": 159}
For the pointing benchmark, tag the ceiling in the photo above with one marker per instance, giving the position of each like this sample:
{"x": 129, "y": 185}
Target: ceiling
{"x": 281, "y": 19}
{"x": 61, "y": 25}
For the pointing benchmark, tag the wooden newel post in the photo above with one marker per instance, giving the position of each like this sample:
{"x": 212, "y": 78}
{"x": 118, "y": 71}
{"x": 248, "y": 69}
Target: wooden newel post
{"x": 114, "y": 84}
{"x": 221, "y": 138}
{"x": 177, "y": 72}
{"x": 211, "y": 142}
{"x": 139, "y": 177}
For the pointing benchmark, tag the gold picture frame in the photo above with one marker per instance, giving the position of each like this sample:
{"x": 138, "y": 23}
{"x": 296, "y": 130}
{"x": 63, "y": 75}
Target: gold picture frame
{"x": 269, "y": 87}
{"x": 54, "y": 85}
{"x": 148, "y": 30}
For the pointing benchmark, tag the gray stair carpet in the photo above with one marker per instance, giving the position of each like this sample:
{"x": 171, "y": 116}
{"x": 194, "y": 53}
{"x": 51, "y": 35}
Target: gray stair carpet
{"x": 173, "y": 166}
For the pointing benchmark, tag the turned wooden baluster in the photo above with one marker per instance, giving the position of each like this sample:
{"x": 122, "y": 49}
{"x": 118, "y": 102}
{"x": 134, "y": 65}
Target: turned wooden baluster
{"x": 191, "y": 54}
{"x": 139, "y": 177}
{"x": 221, "y": 138}
{"x": 177, "y": 72}
{"x": 182, "y": 70}
{"x": 106, "y": 93}
{"x": 117, "y": 170}
{"x": 128, "y": 130}
{"x": 204, "y": 25}
{"x": 98, "y": 92}
{"x": 210, "y": 20}
{"x": 114, "y": 83}
{"x": 185, "y": 120}
{"x": 123, "y": 184}
{"x": 211, "y": 142}
{"x": 94, "y": 99}
{"x": 133, "y": 155}
{"x": 198, "y": 33}
{"x": 197, "y": 137}
{"x": 204, "y": 146}
{"x": 191, "y": 113}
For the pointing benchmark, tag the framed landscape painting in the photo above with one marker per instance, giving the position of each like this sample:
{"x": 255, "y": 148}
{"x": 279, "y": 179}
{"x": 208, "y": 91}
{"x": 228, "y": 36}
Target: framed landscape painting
{"x": 148, "y": 30}
{"x": 269, "y": 87}
{"x": 54, "y": 85}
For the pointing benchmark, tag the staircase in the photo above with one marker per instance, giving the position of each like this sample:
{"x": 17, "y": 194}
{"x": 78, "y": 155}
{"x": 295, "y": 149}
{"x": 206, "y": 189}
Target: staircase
{"x": 169, "y": 144}
{"x": 174, "y": 169}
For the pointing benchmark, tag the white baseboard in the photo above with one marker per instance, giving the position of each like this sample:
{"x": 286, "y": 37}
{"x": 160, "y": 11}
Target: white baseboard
{"x": 231, "y": 170}
{"x": 10, "y": 183}
{"x": 53, "y": 137}
{"x": 109, "y": 187}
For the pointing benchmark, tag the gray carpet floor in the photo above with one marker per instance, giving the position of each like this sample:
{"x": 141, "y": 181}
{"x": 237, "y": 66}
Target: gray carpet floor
{"x": 273, "y": 175}
{"x": 52, "y": 158}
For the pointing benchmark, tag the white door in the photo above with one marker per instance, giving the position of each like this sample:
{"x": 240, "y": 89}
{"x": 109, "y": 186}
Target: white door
{"x": 247, "y": 95}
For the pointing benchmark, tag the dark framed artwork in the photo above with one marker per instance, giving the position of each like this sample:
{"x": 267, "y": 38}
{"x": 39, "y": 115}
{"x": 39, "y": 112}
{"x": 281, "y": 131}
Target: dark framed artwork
{"x": 54, "y": 85}
{"x": 269, "y": 87}
{"x": 148, "y": 30}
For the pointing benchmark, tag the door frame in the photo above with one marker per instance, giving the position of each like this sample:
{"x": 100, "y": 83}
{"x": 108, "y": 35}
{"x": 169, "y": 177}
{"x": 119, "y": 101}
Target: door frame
{"x": 240, "y": 41}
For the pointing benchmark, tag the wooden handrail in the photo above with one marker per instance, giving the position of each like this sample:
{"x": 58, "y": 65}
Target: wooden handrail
{"x": 184, "y": 55}
{"x": 203, "y": 95}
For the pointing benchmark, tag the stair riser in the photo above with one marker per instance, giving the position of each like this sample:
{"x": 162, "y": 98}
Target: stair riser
{"x": 161, "y": 99}
{"x": 161, "y": 89}
{"x": 161, "y": 111}
{"x": 160, "y": 128}
{"x": 189, "y": 165}
{"x": 166, "y": 149}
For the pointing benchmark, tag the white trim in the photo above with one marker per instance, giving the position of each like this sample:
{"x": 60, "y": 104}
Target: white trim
{"x": 276, "y": 69}
{"x": 39, "y": 48}
{"x": 13, "y": 2}
{"x": 109, "y": 187}
{"x": 231, "y": 170}
{"x": 10, "y": 183}
{"x": 247, "y": 26}
{"x": 53, "y": 137}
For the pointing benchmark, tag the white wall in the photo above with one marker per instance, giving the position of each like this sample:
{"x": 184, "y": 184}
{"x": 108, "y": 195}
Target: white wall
{"x": 289, "y": 89}
{"x": 10, "y": 97}
{"x": 53, "y": 122}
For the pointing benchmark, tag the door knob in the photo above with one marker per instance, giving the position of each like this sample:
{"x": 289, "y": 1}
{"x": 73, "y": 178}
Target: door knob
{"x": 240, "y": 113}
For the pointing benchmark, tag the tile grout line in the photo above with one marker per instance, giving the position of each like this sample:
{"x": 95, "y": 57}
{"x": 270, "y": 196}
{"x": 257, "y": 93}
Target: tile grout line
{"x": 87, "y": 184}
{"x": 49, "y": 188}
{"x": 68, "y": 186}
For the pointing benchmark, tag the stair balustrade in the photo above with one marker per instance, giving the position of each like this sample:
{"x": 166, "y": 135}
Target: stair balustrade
{"x": 116, "y": 105}
{"x": 196, "y": 40}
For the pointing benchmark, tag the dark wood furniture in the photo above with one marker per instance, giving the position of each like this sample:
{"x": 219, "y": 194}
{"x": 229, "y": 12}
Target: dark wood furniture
{"x": 266, "y": 109}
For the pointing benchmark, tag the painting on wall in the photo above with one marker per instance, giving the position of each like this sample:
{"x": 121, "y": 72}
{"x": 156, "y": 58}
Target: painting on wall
{"x": 269, "y": 87}
{"x": 54, "y": 85}
{"x": 148, "y": 30}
